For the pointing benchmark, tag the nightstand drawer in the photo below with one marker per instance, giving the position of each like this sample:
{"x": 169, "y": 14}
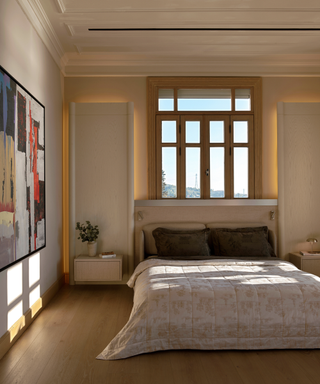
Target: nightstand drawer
{"x": 97, "y": 269}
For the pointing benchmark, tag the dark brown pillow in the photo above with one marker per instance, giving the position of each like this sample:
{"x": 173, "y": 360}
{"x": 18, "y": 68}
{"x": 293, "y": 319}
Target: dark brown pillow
{"x": 249, "y": 241}
{"x": 182, "y": 242}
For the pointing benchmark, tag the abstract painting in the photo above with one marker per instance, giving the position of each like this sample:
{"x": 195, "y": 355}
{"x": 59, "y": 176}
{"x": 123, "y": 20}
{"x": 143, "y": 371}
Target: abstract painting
{"x": 22, "y": 172}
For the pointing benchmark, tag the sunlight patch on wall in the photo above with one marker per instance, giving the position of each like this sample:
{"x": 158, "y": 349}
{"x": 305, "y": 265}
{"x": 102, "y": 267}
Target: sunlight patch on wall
{"x": 34, "y": 295}
{"x": 14, "y": 283}
{"x": 14, "y": 314}
{"x": 34, "y": 269}
{"x": 35, "y": 308}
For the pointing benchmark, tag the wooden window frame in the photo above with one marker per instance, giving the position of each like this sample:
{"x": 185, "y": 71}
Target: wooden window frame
{"x": 153, "y": 85}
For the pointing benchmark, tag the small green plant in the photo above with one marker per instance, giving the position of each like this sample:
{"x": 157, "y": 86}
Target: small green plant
{"x": 87, "y": 232}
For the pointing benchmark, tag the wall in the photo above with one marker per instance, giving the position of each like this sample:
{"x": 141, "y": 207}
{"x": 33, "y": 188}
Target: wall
{"x": 25, "y": 57}
{"x": 299, "y": 183}
{"x": 114, "y": 90}
{"x": 84, "y": 89}
{"x": 275, "y": 89}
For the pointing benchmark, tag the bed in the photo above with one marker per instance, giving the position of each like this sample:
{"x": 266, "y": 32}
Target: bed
{"x": 239, "y": 296}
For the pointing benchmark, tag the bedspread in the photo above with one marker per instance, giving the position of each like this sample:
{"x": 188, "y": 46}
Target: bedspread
{"x": 219, "y": 304}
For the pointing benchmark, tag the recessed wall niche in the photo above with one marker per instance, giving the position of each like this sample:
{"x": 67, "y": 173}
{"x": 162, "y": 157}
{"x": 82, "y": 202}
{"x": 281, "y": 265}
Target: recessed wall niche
{"x": 101, "y": 178}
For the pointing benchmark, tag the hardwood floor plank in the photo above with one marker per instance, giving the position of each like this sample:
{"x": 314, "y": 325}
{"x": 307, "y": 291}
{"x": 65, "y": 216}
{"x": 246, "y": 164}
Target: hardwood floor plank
{"x": 245, "y": 363}
{"x": 63, "y": 363}
{"x": 156, "y": 368}
{"x": 280, "y": 365}
{"x": 32, "y": 362}
{"x": 187, "y": 367}
{"x": 118, "y": 371}
{"x": 11, "y": 358}
{"x": 220, "y": 368}
{"x": 309, "y": 363}
{"x": 105, "y": 327}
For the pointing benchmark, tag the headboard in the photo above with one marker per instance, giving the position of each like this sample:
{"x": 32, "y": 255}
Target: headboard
{"x": 147, "y": 242}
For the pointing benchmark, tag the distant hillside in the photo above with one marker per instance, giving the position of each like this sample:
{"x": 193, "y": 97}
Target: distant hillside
{"x": 190, "y": 192}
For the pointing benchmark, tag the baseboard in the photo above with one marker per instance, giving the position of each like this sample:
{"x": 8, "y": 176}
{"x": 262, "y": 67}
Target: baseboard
{"x": 19, "y": 327}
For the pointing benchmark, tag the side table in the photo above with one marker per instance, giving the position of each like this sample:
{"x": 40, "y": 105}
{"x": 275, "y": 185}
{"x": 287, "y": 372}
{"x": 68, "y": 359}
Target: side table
{"x": 96, "y": 268}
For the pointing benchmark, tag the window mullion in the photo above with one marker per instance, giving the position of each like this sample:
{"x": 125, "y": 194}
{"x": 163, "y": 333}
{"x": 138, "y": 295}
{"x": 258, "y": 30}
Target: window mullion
{"x": 228, "y": 159}
{"x": 205, "y": 155}
{"x": 182, "y": 159}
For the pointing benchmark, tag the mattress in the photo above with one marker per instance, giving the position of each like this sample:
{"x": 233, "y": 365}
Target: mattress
{"x": 218, "y": 305}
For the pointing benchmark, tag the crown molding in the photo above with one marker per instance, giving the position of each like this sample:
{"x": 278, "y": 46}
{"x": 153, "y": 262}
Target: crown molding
{"x": 187, "y": 64}
{"x": 39, "y": 20}
{"x": 60, "y": 5}
{"x": 70, "y": 29}
{"x": 269, "y": 68}
{"x": 186, "y": 10}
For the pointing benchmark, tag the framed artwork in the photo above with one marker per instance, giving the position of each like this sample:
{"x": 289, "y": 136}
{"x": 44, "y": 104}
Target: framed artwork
{"x": 22, "y": 172}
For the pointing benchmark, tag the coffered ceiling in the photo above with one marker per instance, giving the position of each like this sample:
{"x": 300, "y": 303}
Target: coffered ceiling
{"x": 64, "y": 26}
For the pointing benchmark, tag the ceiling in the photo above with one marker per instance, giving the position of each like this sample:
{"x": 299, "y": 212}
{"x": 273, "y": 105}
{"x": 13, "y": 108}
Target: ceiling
{"x": 63, "y": 26}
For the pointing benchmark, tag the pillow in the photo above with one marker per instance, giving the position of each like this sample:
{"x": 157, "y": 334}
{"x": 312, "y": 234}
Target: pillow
{"x": 182, "y": 242}
{"x": 249, "y": 241}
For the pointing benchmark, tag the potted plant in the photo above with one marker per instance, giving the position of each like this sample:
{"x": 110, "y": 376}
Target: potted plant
{"x": 89, "y": 233}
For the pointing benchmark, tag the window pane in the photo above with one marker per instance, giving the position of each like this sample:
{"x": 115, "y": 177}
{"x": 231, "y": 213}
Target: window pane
{"x": 193, "y": 173}
{"x": 166, "y": 100}
{"x": 241, "y": 171}
{"x": 243, "y": 99}
{"x": 216, "y": 131}
{"x": 240, "y": 131}
{"x": 204, "y": 99}
{"x": 169, "y": 172}
{"x": 192, "y": 132}
{"x": 169, "y": 131}
{"x": 217, "y": 172}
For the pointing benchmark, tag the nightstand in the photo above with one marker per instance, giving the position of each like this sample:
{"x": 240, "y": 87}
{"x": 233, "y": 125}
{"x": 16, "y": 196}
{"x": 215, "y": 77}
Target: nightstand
{"x": 95, "y": 268}
{"x": 306, "y": 263}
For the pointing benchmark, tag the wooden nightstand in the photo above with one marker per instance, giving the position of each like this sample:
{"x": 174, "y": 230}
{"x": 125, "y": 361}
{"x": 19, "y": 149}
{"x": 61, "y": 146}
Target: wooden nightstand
{"x": 95, "y": 268}
{"x": 306, "y": 263}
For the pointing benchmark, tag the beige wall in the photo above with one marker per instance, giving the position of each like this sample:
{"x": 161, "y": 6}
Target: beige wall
{"x": 25, "y": 57}
{"x": 299, "y": 182}
{"x": 119, "y": 89}
{"x": 274, "y": 90}
{"x": 102, "y": 136}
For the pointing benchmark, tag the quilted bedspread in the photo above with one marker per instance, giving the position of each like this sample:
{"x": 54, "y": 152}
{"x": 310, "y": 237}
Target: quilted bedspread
{"x": 219, "y": 304}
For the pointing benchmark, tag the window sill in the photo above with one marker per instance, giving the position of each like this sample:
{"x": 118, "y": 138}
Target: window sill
{"x": 204, "y": 203}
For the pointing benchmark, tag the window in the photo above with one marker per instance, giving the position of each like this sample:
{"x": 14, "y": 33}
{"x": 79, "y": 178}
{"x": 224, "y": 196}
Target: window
{"x": 204, "y": 138}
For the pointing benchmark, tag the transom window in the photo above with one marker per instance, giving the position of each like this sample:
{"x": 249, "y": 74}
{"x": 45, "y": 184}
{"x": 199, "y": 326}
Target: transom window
{"x": 204, "y": 138}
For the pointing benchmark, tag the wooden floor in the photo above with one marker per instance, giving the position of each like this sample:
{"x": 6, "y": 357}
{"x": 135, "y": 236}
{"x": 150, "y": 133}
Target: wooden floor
{"x": 62, "y": 343}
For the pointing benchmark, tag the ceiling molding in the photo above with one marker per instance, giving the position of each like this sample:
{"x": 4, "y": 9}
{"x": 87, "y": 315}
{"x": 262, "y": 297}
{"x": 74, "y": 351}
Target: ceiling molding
{"x": 78, "y": 48}
{"x": 173, "y": 71}
{"x": 185, "y": 63}
{"x": 60, "y": 5}
{"x": 70, "y": 29}
{"x": 87, "y": 23}
{"x": 38, "y": 18}
{"x": 270, "y": 68}
{"x": 187, "y": 10}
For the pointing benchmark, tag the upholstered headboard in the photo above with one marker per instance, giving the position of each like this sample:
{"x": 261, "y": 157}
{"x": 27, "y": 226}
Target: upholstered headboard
{"x": 147, "y": 242}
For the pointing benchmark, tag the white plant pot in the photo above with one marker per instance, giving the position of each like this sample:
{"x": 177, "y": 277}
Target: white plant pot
{"x": 92, "y": 248}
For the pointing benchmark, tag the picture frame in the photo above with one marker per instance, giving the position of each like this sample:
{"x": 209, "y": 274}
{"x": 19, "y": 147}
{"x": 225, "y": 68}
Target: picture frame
{"x": 22, "y": 172}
